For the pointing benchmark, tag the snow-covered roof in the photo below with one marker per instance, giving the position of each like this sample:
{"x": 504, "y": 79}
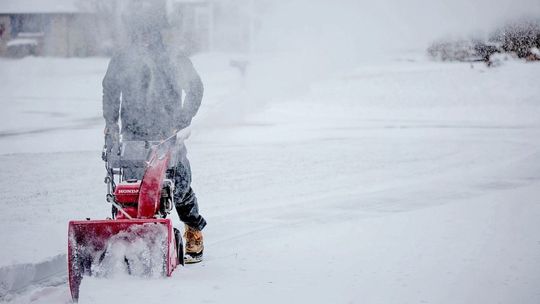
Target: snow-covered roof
{"x": 190, "y": 1}
{"x": 22, "y": 41}
{"x": 38, "y": 6}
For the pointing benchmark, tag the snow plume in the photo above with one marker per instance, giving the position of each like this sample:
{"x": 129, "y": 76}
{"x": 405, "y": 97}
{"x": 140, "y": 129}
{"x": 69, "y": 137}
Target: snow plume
{"x": 140, "y": 251}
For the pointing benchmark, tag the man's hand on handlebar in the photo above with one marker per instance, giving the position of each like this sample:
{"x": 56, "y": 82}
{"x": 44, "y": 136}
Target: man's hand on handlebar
{"x": 112, "y": 135}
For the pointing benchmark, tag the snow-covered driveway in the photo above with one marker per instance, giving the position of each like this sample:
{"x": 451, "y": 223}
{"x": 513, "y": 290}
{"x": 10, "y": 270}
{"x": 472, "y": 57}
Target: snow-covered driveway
{"x": 398, "y": 182}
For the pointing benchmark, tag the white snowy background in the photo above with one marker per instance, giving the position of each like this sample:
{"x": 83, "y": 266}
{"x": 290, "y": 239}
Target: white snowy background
{"x": 329, "y": 173}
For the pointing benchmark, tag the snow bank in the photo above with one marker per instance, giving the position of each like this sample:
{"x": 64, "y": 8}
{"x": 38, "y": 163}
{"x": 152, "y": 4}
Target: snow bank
{"x": 16, "y": 278}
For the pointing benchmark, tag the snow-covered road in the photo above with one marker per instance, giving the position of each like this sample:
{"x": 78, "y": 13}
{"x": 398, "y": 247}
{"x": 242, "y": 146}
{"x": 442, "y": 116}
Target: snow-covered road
{"x": 397, "y": 182}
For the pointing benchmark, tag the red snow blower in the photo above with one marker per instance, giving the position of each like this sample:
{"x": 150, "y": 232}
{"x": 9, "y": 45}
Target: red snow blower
{"x": 138, "y": 239}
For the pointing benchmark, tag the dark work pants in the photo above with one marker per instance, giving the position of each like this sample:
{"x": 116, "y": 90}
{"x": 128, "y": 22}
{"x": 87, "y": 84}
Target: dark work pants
{"x": 185, "y": 199}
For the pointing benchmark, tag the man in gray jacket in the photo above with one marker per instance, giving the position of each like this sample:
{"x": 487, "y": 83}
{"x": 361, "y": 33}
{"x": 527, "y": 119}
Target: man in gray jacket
{"x": 143, "y": 89}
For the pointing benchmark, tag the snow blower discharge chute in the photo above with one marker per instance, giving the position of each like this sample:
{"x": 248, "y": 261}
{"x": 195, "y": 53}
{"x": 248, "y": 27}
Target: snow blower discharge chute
{"x": 138, "y": 239}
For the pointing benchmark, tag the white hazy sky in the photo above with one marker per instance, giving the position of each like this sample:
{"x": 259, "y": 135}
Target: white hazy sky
{"x": 400, "y": 23}
{"x": 308, "y": 39}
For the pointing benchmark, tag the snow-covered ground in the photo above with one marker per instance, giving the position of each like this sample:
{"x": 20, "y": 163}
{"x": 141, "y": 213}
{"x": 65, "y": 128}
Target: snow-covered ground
{"x": 397, "y": 181}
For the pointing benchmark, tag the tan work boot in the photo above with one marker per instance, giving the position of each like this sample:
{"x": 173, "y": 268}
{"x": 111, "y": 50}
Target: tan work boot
{"x": 194, "y": 245}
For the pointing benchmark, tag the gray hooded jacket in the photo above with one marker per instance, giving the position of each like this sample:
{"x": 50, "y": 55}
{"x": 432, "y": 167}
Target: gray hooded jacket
{"x": 143, "y": 86}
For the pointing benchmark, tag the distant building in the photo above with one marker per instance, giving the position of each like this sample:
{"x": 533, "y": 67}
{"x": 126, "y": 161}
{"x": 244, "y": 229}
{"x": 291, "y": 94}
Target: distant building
{"x": 45, "y": 27}
{"x": 69, "y": 28}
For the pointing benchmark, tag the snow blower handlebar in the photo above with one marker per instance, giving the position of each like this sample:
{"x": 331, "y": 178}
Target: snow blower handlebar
{"x": 112, "y": 140}
{"x": 118, "y": 156}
